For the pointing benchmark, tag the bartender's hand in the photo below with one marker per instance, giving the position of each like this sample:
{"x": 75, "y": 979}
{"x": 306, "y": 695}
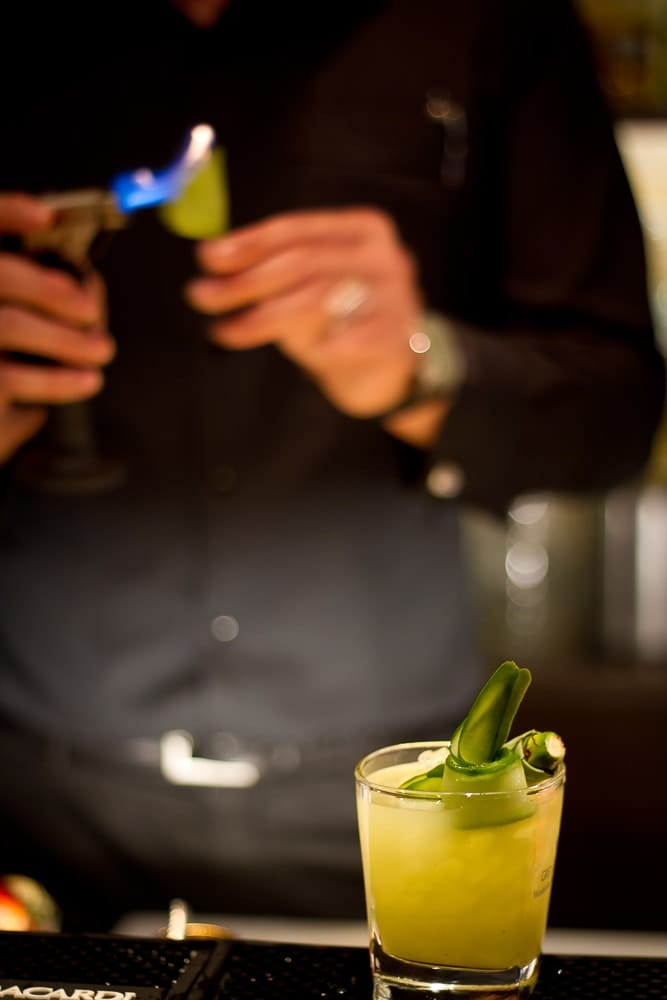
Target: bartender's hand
{"x": 337, "y": 292}
{"x": 44, "y": 313}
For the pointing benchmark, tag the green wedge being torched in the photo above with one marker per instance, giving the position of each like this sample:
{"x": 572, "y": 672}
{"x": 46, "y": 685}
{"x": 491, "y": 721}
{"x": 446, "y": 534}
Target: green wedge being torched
{"x": 201, "y": 211}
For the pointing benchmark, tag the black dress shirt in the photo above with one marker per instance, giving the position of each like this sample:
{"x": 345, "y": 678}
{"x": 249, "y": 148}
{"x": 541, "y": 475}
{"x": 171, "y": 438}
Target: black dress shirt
{"x": 270, "y": 567}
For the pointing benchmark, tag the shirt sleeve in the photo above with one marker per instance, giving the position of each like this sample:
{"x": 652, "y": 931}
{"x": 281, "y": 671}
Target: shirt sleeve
{"x": 565, "y": 382}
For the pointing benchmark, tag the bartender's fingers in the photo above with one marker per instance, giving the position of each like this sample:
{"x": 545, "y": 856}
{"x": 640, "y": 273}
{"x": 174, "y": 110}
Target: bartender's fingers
{"x": 283, "y": 272}
{"x": 293, "y": 278}
{"x": 20, "y": 213}
{"x": 18, "y": 425}
{"x": 30, "y": 333}
{"x": 309, "y": 308}
{"x": 244, "y": 247}
{"x": 296, "y": 315}
{"x": 46, "y": 384}
{"x": 49, "y": 290}
{"x": 362, "y": 363}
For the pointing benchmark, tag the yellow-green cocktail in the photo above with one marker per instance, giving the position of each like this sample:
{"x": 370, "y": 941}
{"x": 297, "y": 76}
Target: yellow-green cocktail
{"x": 458, "y": 867}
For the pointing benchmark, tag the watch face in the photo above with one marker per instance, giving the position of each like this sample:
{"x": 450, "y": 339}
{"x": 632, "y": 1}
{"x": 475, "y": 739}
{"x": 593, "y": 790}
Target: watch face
{"x": 441, "y": 367}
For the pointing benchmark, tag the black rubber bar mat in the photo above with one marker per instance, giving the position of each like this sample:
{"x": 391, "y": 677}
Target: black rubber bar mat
{"x": 48, "y": 966}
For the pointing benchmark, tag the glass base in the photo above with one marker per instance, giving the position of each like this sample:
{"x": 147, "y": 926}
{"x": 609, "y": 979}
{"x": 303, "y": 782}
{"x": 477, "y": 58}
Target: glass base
{"x": 396, "y": 979}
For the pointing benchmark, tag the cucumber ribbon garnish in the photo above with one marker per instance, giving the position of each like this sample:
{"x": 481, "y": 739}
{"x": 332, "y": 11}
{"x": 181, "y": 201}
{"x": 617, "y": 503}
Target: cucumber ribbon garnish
{"x": 481, "y": 756}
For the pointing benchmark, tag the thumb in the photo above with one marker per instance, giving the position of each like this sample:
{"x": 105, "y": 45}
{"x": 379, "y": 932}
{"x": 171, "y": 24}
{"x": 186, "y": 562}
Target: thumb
{"x": 21, "y": 213}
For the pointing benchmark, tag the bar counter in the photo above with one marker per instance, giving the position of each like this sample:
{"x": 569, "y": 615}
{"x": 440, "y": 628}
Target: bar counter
{"x": 350, "y": 933}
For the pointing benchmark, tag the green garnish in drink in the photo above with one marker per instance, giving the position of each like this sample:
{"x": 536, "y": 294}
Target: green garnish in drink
{"x": 481, "y": 757}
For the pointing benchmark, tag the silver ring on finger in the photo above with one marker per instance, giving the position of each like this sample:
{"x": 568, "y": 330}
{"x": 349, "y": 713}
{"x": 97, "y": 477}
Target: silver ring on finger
{"x": 346, "y": 299}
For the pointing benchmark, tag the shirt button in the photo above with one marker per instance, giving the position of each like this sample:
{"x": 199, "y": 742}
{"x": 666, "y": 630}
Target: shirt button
{"x": 224, "y": 628}
{"x": 445, "y": 480}
{"x": 222, "y": 478}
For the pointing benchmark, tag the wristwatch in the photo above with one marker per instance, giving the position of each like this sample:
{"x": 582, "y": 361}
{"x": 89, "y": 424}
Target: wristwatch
{"x": 441, "y": 363}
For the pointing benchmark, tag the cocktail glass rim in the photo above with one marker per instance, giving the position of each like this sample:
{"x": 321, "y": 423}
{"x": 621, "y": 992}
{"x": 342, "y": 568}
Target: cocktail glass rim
{"x": 549, "y": 780}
